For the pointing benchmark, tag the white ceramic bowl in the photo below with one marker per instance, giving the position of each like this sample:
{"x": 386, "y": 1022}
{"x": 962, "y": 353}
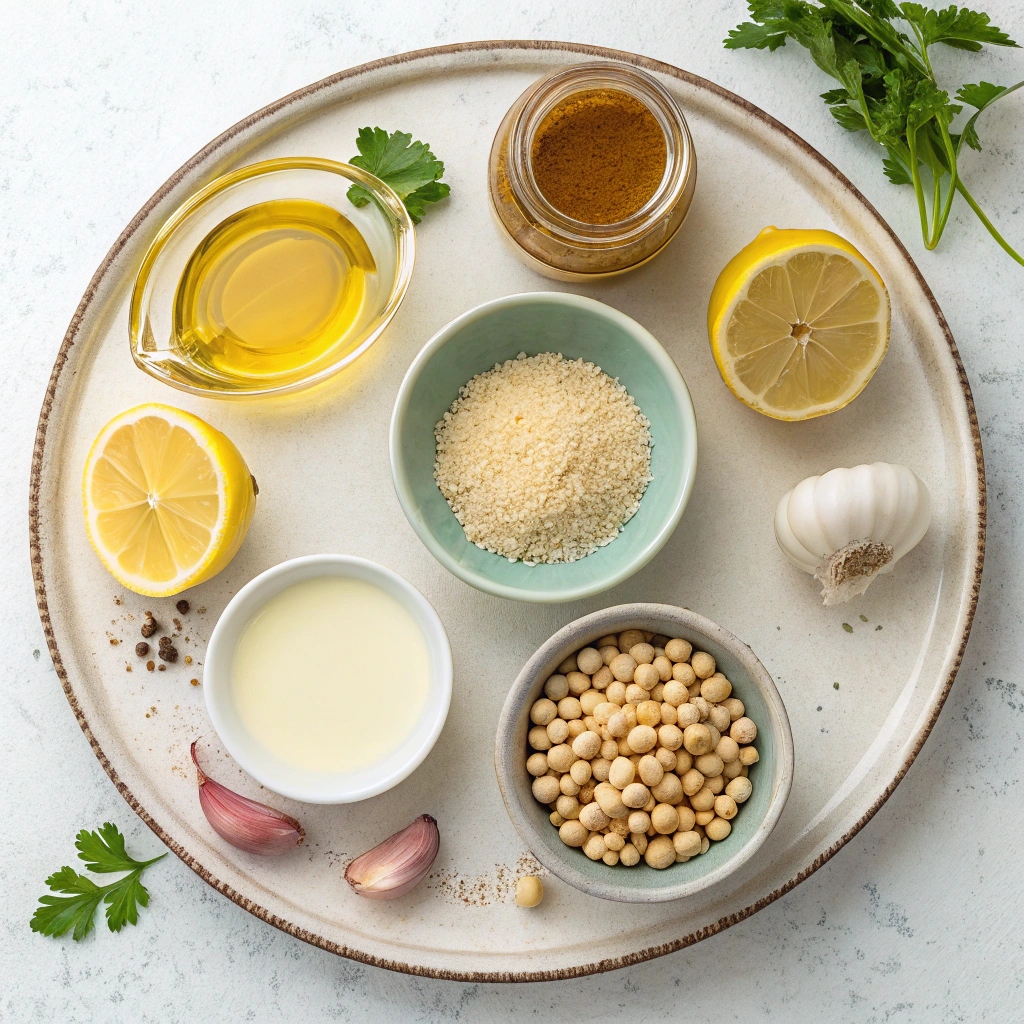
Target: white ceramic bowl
{"x": 260, "y": 763}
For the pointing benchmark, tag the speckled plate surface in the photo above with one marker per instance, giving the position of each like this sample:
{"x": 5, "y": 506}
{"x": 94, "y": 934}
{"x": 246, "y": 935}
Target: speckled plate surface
{"x": 322, "y": 463}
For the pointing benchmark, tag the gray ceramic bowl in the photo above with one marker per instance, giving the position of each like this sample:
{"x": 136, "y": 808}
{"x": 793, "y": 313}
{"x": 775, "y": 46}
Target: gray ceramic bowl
{"x": 772, "y": 775}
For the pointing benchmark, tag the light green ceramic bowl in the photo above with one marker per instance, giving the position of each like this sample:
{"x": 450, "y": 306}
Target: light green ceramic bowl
{"x": 576, "y": 327}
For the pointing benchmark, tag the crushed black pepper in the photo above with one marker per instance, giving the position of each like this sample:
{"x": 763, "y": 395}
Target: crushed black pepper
{"x": 183, "y": 606}
{"x": 142, "y": 648}
{"x": 150, "y": 625}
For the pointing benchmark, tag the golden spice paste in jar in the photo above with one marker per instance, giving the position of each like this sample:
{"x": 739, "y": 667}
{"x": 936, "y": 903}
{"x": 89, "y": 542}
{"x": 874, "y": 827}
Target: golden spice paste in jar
{"x": 592, "y": 171}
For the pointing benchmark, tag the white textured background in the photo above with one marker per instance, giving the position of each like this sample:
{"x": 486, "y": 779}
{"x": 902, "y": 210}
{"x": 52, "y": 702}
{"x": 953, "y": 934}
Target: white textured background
{"x": 915, "y": 920}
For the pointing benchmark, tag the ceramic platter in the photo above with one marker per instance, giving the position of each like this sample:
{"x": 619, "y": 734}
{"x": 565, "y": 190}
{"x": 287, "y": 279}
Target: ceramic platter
{"x": 321, "y": 460}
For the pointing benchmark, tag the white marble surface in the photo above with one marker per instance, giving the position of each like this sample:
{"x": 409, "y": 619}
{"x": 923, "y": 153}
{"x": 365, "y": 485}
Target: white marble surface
{"x": 915, "y": 920}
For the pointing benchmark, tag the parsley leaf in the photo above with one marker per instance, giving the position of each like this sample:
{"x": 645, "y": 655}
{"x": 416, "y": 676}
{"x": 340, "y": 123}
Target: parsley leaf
{"x": 878, "y": 52}
{"x": 408, "y": 167}
{"x": 103, "y": 852}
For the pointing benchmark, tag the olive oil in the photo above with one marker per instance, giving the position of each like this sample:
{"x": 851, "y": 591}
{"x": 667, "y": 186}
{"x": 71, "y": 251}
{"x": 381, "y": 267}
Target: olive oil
{"x": 272, "y": 290}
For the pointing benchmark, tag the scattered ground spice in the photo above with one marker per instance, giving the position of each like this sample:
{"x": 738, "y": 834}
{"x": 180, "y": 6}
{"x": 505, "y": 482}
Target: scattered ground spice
{"x": 142, "y": 648}
{"x": 194, "y": 682}
{"x": 182, "y": 606}
{"x": 127, "y": 668}
{"x": 599, "y": 156}
{"x": 847, "y": 627}
{"x": 188, "y": 657}
{"x": 149, "y": 625}
{"x": 161, "y": 668}
{"x": 150, "y": 665}
{"x": 114, "y": 641}
{"x": 835, "y": 686}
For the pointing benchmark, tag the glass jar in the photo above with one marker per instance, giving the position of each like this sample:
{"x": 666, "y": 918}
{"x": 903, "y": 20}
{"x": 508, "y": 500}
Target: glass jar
{"x": 555, "y": 244}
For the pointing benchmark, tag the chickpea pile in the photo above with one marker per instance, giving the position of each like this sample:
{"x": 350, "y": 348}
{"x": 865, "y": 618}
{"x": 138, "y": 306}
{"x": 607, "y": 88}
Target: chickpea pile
{"x": 640, "y": 750}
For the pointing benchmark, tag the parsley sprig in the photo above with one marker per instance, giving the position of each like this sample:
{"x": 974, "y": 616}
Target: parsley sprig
{"x": 103, "y": 852}
{"x": 408, "y": 167}
{"x": 878, "y": 51}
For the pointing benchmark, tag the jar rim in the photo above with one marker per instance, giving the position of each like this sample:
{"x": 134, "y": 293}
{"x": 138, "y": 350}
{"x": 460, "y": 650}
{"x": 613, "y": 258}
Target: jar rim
{"x": 555, "y": 88}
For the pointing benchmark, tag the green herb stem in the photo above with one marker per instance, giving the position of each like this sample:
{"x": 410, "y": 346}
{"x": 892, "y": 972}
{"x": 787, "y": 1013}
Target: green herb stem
{"x": 962, "y": 189}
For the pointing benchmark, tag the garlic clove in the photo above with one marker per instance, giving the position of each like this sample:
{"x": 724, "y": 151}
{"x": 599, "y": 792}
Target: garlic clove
{"x": 398, "y": 864}
{"x": 251, "y": 826}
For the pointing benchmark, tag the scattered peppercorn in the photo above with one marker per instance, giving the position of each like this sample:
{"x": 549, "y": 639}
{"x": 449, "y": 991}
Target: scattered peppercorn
{"x": 150, "y": 626}
{"x": 167, "y": 650}
{"x": 194, "y": 682}
{"x": 183, "y": 606}
{"x": 142, "y": 648}
{"x": 161, "y": 668}
{"x": 149, "y": 665}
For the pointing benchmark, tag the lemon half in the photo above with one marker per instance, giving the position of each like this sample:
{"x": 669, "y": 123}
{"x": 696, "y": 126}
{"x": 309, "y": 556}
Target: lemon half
{"x": 167, "y": 499}
{"x": 798, "y": 322}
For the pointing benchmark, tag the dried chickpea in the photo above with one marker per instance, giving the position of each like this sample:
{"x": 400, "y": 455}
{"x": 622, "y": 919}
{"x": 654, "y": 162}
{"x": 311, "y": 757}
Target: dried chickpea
{"x": 684, "y": 762}
{"x": 642, "y": 653}
{"x": 646, "y": 676}
{"x": 625, "y": 750}
{"x": 609, "y": 653}
{"x": 727, "y": 749}
{"x": 708, "y": 765}
{"x": 599, "y": 768}
{"x": 686, "y": 817}
{"x": 639, "y": 821}
{"x": 629, "y": 856}
{"x": 595, "y": 847}
{"x": 725, "y": 807}
{"x": 719, "y": 718}
{"x": 573, "y": 833}
{"x": 648, "y": 713}
{"x": 593, "y": 817}
{"x": 569, "y": 708}
{"x": 621, "y": 773}
{"x": 561, "y": 757}
{"x": 669, "y": 716}
{"x": 537, "y": 765}
{"x": 629, "y": 710}
{"x": 678, "y": 650}
{"x": 604, "y": 710}
{"x": 612, "y": 640}
{"x": 615, "y": 841}
{"x": 703, "y": 665}
{"x": 658, "y": 691}
{"x": 623, "y": 667}
{"x": 686, "y": 843}
{"x": 715, "y": 735}
{"x": 580, "y": 772}
{"x": 697, "y": 739}
{"x": 740, "y": 790}
{"x": 660, "y": 852}
{"x": 543, "y": 711}
{"x": 643, "y": 738}
{"x": 748, "y": 756}
{"x": 635, "y": 795}
{"x": 620, "y": 826}
{"x": 735, "y": 708}
{"x": 670, "y": 737}
{"x": 611, "y": 858}
{"x": 743, "y": 730}
{"x": 569, "y": 665}
{"x": 538, "y": 738}
{"x": 687, "y": 714}
{"x": 715, "y": 688}
{"x": 586, "y": 794}
{"x": 703, "y": 800}
{"x": 705, "y": 844}
{"x": 568, "y": 785}
{"x": 602, "y": 678}
{"x": 618, "y": 725}
{"x": 609, "y": 799}
{"x": 609, "y": 750}
{"x": 556, "y": 819}
{"x": 732, "y": 770}
{"x": 635, "y": 694}
{"x": 702, "y": 706}
{"x": 663, "y": 665}
{"x": 616, "y": 692}
{"x": 587, "y": 746}
{"x": 579, "y": 683}
{"x": 675, "y": 693}
{"x": 717, "y": 829}
{"x": 664, "y": 819}
{"x": 639, "y": 840}
{"x": 556, "y": 687}
{"x": 703, "y": 818}
{"x": 568, "y": 807}
{"x": 545, "y": 790}
{"x": 529, "y": 891}
{"x": 650, "y": 805}
{"x": 575, "y": 728}
{"x": 694, "y": 689}
{"x": 591, "y": 700}
{"x": 669, "y": 790}
{"x": 668, "y": 759}
{"x": 589, "y": 660}
{"x": 683, "y": 673}
{"x": 558, "y": 730}
{"x": 716, "y": 784}
{"x": 630, "y": 638}
{"x": 649, "y": 769}
{"x": 692, "y": 781}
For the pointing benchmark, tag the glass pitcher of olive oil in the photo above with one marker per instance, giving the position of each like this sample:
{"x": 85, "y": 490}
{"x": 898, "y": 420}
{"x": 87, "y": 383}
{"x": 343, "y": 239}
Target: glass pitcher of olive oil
{"x": 270, "y": 279}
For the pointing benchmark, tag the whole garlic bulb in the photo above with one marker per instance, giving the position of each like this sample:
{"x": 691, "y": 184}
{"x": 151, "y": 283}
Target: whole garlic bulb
{"x": 849, "y": 525}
